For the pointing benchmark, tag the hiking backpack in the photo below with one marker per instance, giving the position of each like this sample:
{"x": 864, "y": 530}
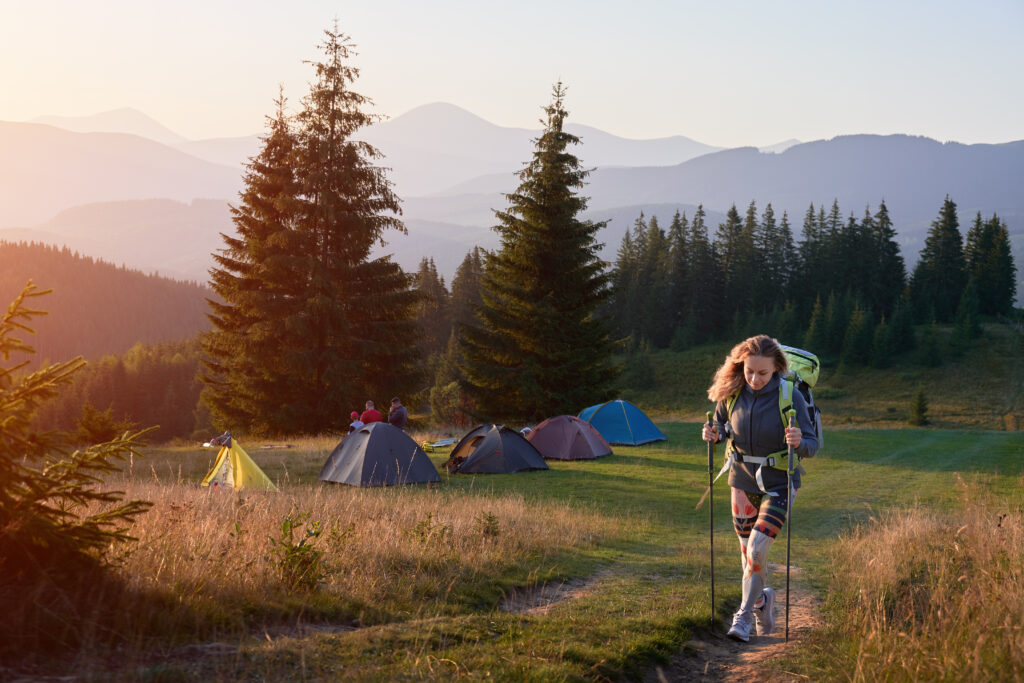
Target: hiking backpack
{"x": 804, "y": 367}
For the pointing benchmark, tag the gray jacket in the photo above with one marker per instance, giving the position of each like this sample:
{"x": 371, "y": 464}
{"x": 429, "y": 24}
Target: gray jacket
{"x": 756, "y": 428}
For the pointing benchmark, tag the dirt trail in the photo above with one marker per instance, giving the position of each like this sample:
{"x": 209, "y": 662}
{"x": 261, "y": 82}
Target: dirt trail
{"x": 715, "y": 657}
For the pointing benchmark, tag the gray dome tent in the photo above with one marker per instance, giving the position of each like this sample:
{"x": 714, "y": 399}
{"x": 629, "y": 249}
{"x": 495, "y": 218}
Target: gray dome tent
{"x": 378, "y": 455}
{"x": 494, "y": 449}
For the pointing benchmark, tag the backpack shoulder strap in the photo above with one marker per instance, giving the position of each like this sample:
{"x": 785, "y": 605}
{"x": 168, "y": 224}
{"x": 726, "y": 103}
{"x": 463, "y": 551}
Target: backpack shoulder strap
{"x": 729, "y": 404}
{"x": 786, "y": 388}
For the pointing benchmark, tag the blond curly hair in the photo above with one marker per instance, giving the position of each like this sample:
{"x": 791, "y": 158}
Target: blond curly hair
{"x": 729, "y": 377}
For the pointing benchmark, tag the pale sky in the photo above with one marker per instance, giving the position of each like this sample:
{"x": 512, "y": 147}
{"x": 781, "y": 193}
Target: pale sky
{"x": 724, "y": 72}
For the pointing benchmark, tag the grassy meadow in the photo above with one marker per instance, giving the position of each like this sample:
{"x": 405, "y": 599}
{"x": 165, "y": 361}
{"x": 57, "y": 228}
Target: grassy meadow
{"x": 593, "y": 570}
{"x": 416, "y": 582}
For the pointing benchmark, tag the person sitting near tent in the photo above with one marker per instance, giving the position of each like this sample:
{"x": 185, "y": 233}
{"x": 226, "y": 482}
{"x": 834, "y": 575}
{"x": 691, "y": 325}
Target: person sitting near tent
{"x": 356, "y": 422}
{"x": 398, "y": 415}
{"x": 222, "y": 440}
{"x": 748, "y": 392}
{"x": 371, "y": 414}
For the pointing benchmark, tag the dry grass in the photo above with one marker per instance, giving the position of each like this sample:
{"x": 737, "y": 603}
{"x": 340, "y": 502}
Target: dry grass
{"x": 927, "y": 596}
{"x": 387, "y": 548}
{"x": 208, "y": 565}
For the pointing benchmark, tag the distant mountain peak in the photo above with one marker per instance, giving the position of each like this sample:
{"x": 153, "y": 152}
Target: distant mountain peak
{"x": 121, "y": 120}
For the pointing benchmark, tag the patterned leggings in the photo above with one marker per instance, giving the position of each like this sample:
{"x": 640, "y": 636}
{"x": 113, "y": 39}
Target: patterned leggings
{"x": 758, "y": 519}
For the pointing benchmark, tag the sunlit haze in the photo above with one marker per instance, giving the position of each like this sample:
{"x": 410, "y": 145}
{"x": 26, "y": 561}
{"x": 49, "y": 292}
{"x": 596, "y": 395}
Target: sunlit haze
{"x": 724, "y": 73}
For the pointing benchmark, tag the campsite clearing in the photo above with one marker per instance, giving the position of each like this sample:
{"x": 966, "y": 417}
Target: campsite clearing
{"x": 414, "y": 578}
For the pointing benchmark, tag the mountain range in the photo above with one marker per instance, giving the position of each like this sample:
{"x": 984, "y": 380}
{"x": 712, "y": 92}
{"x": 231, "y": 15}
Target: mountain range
{"x": 121, "y": 187}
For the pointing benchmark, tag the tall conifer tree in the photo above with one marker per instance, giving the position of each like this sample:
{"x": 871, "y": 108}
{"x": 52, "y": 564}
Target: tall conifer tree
{"x": 941, "y": 273}
{"x": 261, "y": 274}
{"x": 890, "y": 278}
{"x": 990, "y": 265}
{"x": 541, "y": 350}
{"x": 336, "y": 327}
{"x": 465, "y": 296}
{"x": 680, "y": 280}
{"x": 706, "y": 311}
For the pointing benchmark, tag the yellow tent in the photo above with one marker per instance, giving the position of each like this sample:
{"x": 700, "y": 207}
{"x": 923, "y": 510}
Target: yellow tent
{"x": 235, "y": 469}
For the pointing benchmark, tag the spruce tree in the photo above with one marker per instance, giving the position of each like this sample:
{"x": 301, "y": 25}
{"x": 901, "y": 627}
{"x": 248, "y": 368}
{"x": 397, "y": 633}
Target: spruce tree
{"x": 788, "y": 258}
{"x": 941, "y": 273}
{"x": 465, "y": 294}
{"x": 332, "y": 327}
{"x": 881, "y": 345}
{"x": 918, "y": 409}
{"x": 680, "y": 281}
{"x": 858, "y": 339}
{"x": 990, "y": 265}
{"x": 967, "y": 324}
{"x": 901, "y": 328}
{"x": 655, "y": 286}
{"x": 541, "y": 350}
{"x": 432, "y": 310}
{"x": 889, "y": 279}
{"x": 735, "y": 247}
{"x": 624, "y": 311}
{"x": 260, "y": 275}
{"x": 705, "y": 309}
{"x": 807, "y": 282}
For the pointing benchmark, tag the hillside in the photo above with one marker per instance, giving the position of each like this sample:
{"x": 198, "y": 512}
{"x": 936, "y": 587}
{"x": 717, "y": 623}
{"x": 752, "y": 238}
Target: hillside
{"x": 96, "y": 308}
{"x": 984, "y": 389}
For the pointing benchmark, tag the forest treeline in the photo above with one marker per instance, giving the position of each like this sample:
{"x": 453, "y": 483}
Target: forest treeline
{"x": 842, "y": 290}
{"x": 154, "y": 385}
{"x": 672, "y": 288}
{"x": 97, "y": 308}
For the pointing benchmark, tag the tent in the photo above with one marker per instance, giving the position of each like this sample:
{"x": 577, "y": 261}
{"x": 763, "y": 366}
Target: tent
{"x": 233, "y": 468}
{"x": 494, "y": 449}
{"x": 567, "y": 437}
{"x": 622, "y": 423}
{"x": 378, "y": 454}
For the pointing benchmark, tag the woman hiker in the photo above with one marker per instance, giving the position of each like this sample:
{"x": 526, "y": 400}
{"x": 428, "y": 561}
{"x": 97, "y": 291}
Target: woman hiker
{"x": 749, "y": 391}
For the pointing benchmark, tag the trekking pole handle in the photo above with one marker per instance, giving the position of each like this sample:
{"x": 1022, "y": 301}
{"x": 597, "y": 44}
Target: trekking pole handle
{"x": 711, "y": 444}
{"x": 791, "y": 414}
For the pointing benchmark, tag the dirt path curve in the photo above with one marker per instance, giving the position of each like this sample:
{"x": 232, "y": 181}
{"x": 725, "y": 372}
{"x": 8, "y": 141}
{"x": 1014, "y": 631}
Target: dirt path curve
{"x": 715, "y": 657}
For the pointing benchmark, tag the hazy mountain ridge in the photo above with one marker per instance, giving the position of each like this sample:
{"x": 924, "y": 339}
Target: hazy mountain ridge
{"x": 123, "y": 120}
{"x": 176, "y": 238}
{"x": 47, "y": 170}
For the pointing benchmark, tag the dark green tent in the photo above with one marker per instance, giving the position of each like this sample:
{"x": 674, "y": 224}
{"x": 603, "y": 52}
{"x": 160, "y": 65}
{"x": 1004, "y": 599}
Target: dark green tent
{"x": 494, "y": 449}
{"x": 378, "y": 455}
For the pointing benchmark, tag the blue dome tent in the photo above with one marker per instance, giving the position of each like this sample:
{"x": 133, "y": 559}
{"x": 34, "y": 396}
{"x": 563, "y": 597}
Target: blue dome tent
{"x": 622, "y": 423}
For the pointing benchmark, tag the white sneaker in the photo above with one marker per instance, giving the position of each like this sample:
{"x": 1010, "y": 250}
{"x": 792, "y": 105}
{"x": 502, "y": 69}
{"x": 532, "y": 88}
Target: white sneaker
{"x": 741, "y": 623}
{"x": 765, "y": 614}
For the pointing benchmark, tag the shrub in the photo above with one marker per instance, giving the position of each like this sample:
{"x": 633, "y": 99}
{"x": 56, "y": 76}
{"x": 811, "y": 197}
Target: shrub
{"x": 300, "y": 565}
{"x": 918, "y": 409}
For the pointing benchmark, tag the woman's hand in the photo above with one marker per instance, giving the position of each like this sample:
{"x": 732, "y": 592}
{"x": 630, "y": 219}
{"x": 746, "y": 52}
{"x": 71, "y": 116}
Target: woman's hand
{"x": 793, "y": 436}
{"x": 710, "y": 434}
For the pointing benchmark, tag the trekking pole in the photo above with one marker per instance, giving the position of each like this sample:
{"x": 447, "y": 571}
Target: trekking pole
{"x": 711, "y": 513}
{"x": 789, "y": 510}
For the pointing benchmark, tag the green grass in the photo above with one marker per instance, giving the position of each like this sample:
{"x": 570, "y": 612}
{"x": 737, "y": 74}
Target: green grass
{"x": 983, "y": 389}
{"x": 648, "y": 588}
